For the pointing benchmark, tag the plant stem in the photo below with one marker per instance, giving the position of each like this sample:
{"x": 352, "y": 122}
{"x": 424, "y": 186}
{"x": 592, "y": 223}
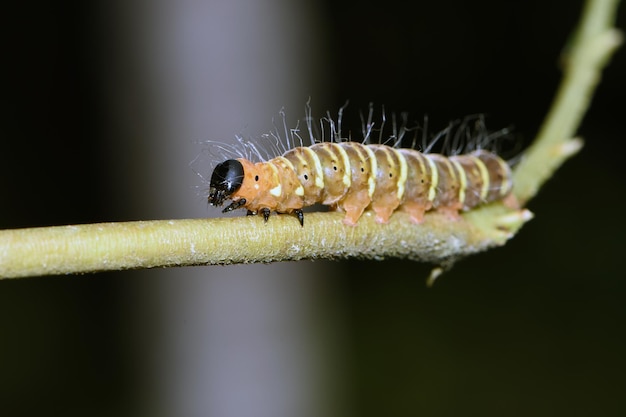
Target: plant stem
{"x": 594, "y": 42}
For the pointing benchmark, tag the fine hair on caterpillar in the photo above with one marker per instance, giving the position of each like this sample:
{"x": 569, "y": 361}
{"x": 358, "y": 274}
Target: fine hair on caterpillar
{"x": 373, "y": 173}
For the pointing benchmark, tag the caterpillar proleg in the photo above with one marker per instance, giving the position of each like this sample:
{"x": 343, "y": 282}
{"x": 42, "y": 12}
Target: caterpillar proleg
{"x": 353, "y": 177}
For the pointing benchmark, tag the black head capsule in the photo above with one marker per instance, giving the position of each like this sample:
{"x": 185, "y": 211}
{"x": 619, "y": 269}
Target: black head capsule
{"x": 226, "y": 179}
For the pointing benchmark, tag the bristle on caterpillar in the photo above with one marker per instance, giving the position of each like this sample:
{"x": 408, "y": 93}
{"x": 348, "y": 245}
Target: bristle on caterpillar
{"x": 353, "y": 177}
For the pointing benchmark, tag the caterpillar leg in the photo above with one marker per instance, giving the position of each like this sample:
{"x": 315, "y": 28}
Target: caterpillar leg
{"x": 353, "y": 214}
{"x": 234, "y": 205}
{"x": 385, "y": 206}
{"x": 451, "y": 213}
{"x": 354, "y": 205}
{"x": 266, "y": 213}
{"x": 511, "y": 202}
{"x": 383, "y": 213}
{"x": 415, "y": 212}
{"x": 300, "y": 215}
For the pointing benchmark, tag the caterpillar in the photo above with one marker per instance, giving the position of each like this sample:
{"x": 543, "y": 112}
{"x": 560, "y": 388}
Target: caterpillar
{"x": 353, "y": 177}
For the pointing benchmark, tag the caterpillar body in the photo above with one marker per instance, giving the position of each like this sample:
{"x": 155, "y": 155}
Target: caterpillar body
{"x": 353, "y": 177}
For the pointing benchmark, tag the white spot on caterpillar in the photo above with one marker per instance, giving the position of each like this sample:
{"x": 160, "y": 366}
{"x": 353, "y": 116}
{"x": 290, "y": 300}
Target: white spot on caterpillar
{"x": 276, "y": 191}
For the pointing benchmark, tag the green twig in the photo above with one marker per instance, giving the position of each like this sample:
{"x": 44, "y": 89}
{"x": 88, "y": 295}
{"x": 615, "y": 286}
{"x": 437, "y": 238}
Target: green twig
{"x": 149, "y": 244}
{"x": 594, "y": 42}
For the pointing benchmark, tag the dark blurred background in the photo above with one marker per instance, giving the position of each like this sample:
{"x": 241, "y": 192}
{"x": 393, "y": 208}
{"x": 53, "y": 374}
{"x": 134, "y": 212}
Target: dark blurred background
{"x": 533, "y": 328}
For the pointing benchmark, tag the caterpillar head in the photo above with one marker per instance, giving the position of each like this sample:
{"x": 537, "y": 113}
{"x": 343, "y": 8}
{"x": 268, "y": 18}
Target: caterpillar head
{"x": 226, "y": 179}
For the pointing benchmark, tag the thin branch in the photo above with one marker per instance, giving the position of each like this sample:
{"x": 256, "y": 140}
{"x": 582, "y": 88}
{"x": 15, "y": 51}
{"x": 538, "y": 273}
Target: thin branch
{"x": 149, "y": 244}
{"x": 594, "y": 42}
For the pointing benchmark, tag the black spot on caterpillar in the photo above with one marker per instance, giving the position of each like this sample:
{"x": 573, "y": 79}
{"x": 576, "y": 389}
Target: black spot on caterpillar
{"x": 356, "y": 176}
